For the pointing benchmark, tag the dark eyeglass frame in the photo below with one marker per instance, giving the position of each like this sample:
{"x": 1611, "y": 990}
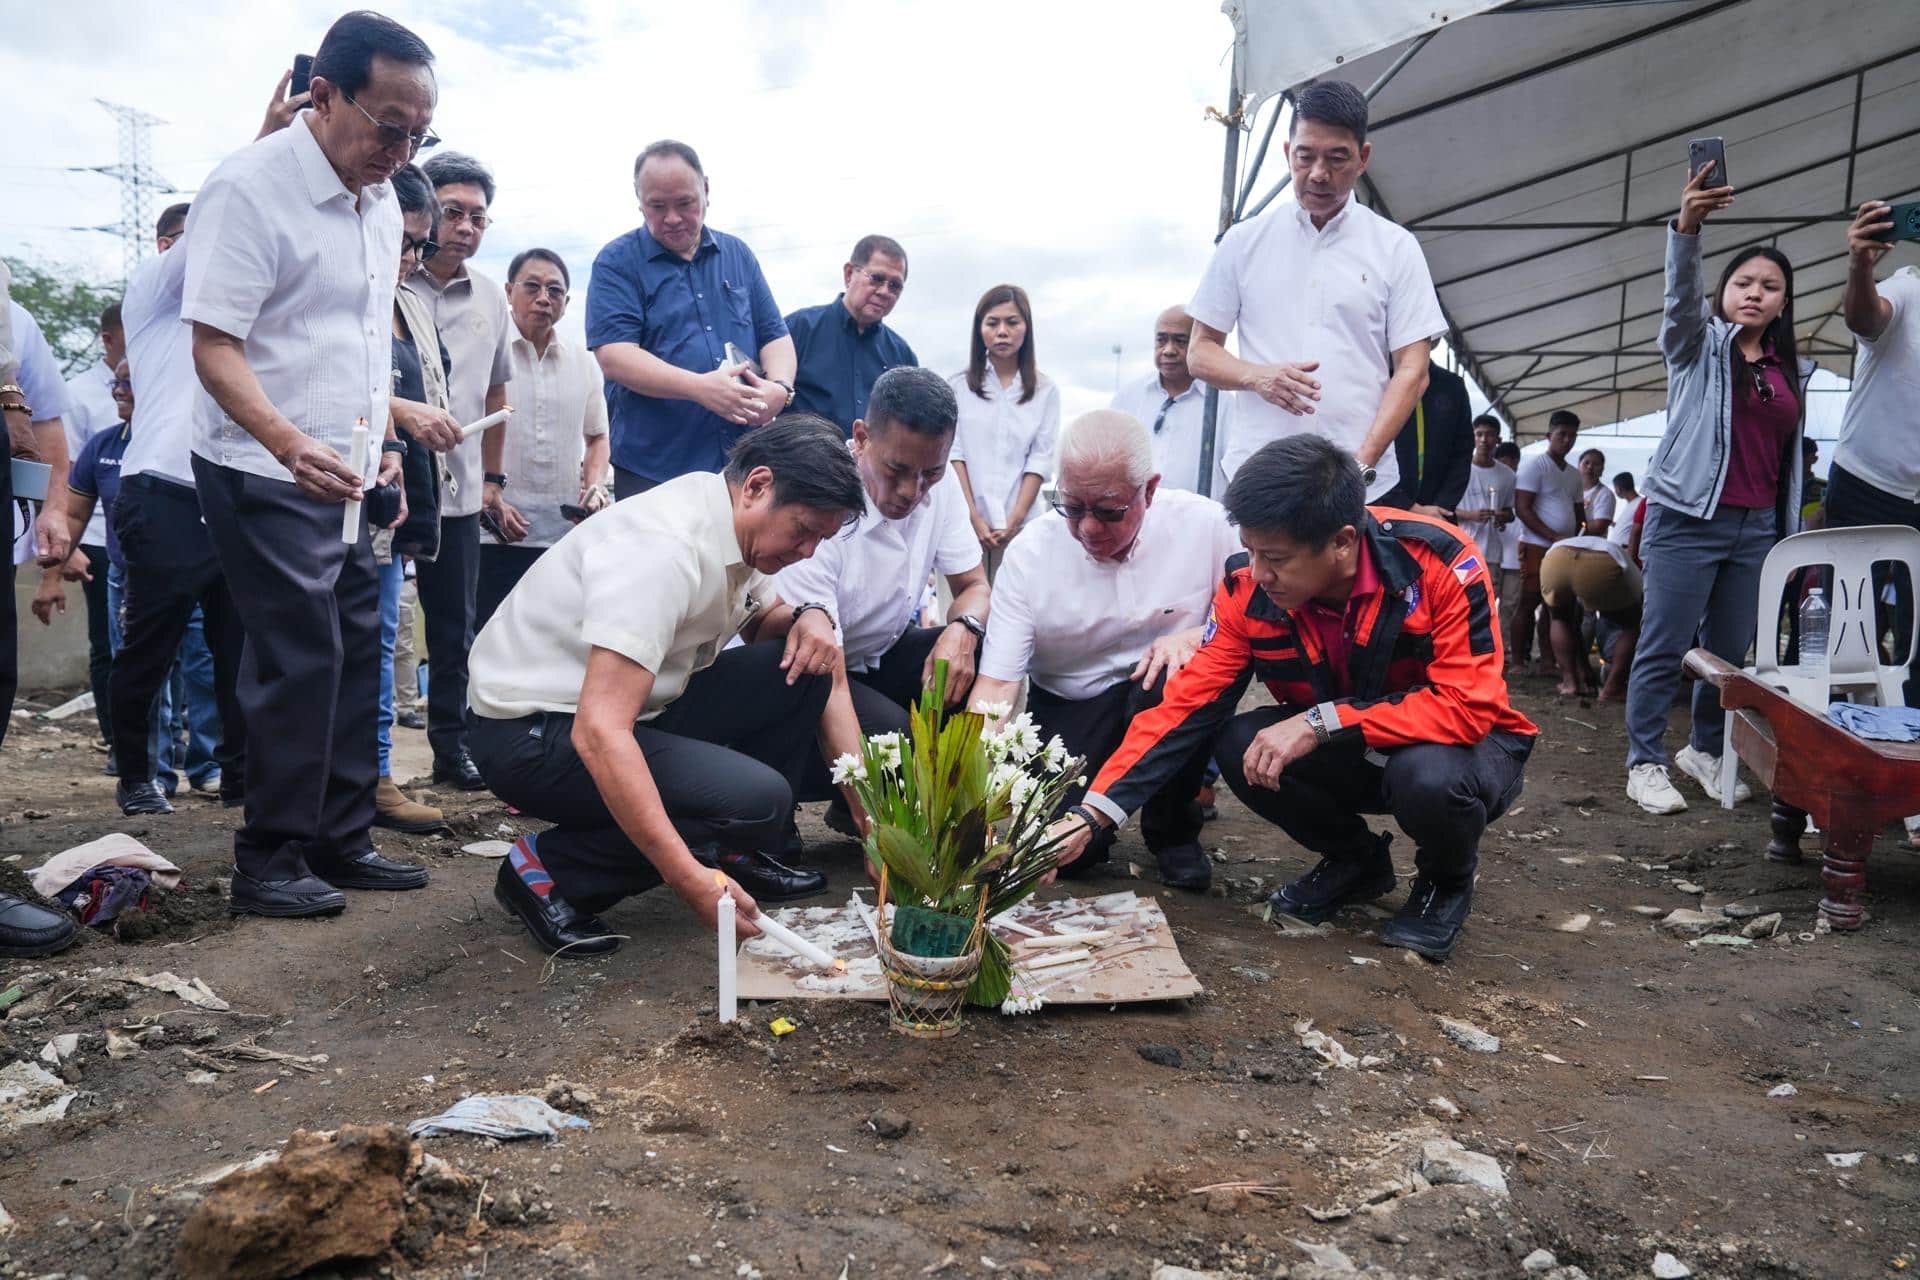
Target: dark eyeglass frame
{"x": 1073, "y": 512}
{"x": 895, "y": 285}
{"x": 555, "y": 292}
{"x": 1763, "y": 387}
{"x": 392, "y": 135}
{"x": 423, "y": 250}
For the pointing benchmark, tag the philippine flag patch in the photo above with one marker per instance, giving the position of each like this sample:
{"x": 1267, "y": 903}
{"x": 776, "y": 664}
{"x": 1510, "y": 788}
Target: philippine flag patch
{"x": 1467, "y": 570}
{"x": 1213, "y": 625}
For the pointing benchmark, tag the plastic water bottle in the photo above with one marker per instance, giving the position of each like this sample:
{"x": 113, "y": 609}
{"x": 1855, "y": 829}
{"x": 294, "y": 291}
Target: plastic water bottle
{"x": 1814, "y": 616}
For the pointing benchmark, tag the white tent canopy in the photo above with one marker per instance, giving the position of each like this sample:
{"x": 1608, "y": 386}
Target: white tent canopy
{"x": 1537, "y": 148}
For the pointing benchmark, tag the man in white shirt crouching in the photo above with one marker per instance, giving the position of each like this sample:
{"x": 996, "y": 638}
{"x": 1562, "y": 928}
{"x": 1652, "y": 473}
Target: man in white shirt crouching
{"x": 875, "y": 571}
{"x": 1098, "y": 603}
{"x": 604, "y": 699}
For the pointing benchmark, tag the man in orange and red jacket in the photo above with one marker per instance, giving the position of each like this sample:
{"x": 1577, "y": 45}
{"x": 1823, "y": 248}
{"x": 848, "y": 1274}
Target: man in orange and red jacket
{"x": 1374, "y": 630}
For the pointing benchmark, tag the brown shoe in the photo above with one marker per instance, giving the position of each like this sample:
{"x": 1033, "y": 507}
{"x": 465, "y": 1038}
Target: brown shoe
{"x": 393, "y": 810}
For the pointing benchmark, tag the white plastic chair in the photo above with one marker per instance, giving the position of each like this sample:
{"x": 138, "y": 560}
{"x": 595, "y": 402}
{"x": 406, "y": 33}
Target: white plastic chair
{"x": 1854, "y": 670}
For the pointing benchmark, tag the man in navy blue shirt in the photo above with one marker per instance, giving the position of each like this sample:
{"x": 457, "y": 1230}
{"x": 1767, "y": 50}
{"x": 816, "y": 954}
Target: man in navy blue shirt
{"x": 845, "y": 345}
{"x": 663, "y": 303}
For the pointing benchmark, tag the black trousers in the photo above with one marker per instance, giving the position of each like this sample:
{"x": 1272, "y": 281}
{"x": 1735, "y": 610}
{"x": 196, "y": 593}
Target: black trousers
{"x": 170, "y": 569}
{"x": 9, "y": 624}
{"x": 99, "y": 639}
{"x": 1095, "y": 727}
{"x": 1442, "y": 796}
{"x": 1851, "y": 502}
{"x": 448, "y": 585}
{"x": 627, "y": 483}
{"x": 309, "y": 684}
{"x": 725, "y": 756}
{"x": 501, "y": 568}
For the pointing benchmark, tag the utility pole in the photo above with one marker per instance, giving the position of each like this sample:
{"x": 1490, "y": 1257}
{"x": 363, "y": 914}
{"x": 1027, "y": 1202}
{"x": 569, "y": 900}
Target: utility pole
{"x": 138, "y": 182}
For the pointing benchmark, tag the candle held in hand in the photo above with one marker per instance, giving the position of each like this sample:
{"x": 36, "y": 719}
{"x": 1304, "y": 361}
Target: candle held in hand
{"x": 357, "y": 461}
{"x": 493, "y": 419}
{"x": 793, "y": 942}
{"x": 729, "y": 955}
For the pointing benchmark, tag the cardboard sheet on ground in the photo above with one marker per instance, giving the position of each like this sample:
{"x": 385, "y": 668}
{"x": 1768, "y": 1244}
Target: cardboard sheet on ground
{"x": 1129, "y": 953}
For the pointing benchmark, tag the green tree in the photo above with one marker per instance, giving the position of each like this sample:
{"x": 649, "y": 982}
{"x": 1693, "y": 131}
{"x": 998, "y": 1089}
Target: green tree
{"x": 67, "y": 307}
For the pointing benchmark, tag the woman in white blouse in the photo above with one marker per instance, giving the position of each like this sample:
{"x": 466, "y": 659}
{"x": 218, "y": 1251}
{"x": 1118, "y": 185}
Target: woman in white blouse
{"x": 1009, "y": 416}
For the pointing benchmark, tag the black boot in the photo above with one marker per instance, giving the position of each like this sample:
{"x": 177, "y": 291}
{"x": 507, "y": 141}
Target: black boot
{"x": 1337, "y": 882}
{"x": 1430, "y": 920}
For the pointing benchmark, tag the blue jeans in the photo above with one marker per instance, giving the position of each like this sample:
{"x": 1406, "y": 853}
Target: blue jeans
{"x": 160, "y": 745}
{"x": 196, "y": 712}
{"x": 1702, "y": 588}
{"x": 392, "y": 578}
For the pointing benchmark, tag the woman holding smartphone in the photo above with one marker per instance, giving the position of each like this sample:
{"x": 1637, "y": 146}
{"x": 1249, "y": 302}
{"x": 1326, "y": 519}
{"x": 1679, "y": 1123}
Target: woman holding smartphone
{"x": 1009, "y": 417}
{"x": 1723, "y": 486}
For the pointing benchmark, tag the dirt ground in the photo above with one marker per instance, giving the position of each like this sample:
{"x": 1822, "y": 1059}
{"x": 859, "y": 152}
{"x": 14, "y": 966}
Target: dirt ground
{"x": 1628, "y": 1104}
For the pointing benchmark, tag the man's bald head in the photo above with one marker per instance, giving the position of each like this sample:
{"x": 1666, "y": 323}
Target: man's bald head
{"x": 1170, "y": 333}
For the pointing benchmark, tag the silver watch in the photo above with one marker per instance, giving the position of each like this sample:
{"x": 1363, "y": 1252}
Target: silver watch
{"x": 1368, "y": 475}
{"x": 1317, "y": 723}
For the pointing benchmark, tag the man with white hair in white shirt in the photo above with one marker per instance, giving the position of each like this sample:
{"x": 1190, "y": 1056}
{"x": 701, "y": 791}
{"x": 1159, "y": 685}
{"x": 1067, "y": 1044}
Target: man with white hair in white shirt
{"x": 1097, "y": 603}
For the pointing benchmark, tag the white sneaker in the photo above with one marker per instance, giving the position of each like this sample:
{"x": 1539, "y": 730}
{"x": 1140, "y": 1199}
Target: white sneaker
{"x": 1648, "y": 787}
{"x": 1705, "y": 770}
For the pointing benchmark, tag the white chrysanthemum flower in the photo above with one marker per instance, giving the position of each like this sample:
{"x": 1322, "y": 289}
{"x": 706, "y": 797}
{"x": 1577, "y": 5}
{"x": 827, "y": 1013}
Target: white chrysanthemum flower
{"x": 1023, "y": 788}
{"x": 889, "y": 746}
{"x": 1002, "y": 775}
{"x": 994, "y": 710}
{"x": 1056, "y": 754}
{"x": 1024, "y": 738}
{"x": 849, "y": 768}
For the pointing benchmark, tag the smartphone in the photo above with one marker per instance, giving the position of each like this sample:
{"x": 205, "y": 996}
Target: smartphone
{"x": 1906, "y": 223}
{"x": 302, "y": 75}
{"x": 574, "y": 513}
{"x": 736, "y": 357}
{"x": 491, "y": 525}
{"x": 1702, "y": 152}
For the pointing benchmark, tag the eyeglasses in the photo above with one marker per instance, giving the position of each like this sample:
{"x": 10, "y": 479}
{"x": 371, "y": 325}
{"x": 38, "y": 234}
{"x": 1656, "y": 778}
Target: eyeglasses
{"x": 421, "y": 249}
{"x": 1075, "y": 512}
{"x": 392, "y": 135}
{"x": 557, "y": 292}
{"x": 121, "y": 384}
{"x": 455, "y": 214}
{"x": 892, "y": 284}
{"x": 1763, "y": 386}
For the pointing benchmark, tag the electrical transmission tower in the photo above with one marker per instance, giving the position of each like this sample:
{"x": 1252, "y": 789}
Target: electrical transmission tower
{"x": 138, "y": 182}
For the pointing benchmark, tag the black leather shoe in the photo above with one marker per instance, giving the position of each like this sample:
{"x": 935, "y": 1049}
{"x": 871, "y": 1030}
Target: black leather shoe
{"x": 307, "y": 896}
{"x": 1185, "y": 866}
{"x": 839, "y": 819}
{"x": 368, "y": 870}
{"x": 1336, "y": 882}
{"x": 1431, "y": 919}
{"x": 767, "y": 879}
{"x": 141, "y": 798}
{"x": 409, "y": 719}
{"x": 556, "y": 924}
{"x": 458, "y": 772}
{"x": 28, "y": 929}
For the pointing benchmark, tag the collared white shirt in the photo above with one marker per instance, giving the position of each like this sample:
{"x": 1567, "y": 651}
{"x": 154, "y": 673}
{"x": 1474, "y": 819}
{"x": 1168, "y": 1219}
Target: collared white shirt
{"x": 1077, "y": 625}
{"x": 1489, "y": 488}
{"x": 561, "y": 403}
{"x": 1556, "y": 490}
{"x": 281, "y": 256}
{"x": 1348, "y": 295}
{"x": 1510, "y": 537}
{"x": 1002, "y": 440}
{"x": 1878, "y": 442}
{"x": 1621, "y": 532}
{"x": 1181, "y": 422}
{"x": 39, "y": 376}
{"x": 874, "y": 572}
{"x": 1599, "y": 502}
{"x": 658, "y": 578}
{"x": 90, "y": 409}
{"x": 160, "y": 359}
{"x": 476, "y": 327}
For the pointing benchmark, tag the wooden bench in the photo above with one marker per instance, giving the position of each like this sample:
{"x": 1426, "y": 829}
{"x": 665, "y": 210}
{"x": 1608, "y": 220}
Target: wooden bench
{"x": 1852, "y": 786}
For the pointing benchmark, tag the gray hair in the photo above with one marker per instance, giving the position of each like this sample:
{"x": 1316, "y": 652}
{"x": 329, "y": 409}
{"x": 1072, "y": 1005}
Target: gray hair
{"x": 1105, "y": 438}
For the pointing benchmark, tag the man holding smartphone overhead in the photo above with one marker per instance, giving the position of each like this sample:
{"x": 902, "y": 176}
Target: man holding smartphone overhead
{"x": 664, "y": 302}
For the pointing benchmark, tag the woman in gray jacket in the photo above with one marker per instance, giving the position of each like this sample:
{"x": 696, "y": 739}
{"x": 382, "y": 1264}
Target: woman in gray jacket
{"x": 1722, "y": 487}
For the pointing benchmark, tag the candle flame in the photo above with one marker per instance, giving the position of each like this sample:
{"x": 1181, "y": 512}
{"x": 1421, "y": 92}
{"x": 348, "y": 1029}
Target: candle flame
{"x": 841, "y": 965}
{"x": 720, "y": 880}
{"x": 359, "y": 422}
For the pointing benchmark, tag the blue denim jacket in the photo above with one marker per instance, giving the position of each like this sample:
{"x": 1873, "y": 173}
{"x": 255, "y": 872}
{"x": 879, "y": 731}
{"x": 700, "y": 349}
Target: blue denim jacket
{"x": 1689, "y": 468}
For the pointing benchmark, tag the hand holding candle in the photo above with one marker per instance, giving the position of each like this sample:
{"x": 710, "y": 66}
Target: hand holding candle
{"x": 357, "y": 460}
{"x": 771, "y": 928}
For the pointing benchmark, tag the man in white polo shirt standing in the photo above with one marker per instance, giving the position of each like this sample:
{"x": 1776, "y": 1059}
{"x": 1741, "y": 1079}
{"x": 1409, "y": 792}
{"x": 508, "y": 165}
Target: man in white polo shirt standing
{"x": 1172, "y": 402}
{"x": 1333, "y": 303}
{"x": 291, "y": 246}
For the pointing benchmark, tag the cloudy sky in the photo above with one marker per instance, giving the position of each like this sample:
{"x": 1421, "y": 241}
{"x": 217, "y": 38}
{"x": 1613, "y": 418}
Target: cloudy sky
{"x": 1061, "y": 146}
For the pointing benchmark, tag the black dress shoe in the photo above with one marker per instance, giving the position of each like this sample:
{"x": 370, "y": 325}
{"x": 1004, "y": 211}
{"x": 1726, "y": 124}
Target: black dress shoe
{"x": 141, "y": 798}
{"x": 28, "y": 929}
{"x": 458, "y": 772}
{"x": 368, "y": 870}
{"x": 766, "y": 878}
{"x": 556, "y": 924}
{"x": 839, "y": 818}
{"x": 1185, "y": 866}
{"x": 1336, "y": 882}
{"x": 409, "y": 719}
{"x": 309, "y": 895}
{"x": 1431, "y": 919}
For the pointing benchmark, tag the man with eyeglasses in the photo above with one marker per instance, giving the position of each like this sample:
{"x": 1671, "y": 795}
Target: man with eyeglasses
{"x": 470, "y": 311}
{"x": 557, "y": 449}
{"x": 1098, "y": 603}
{"x": 844, "y": 345}
{"x": 1172, "y": 402}
{"x": 291, "y": 245}
{"x": 665, "y": 303}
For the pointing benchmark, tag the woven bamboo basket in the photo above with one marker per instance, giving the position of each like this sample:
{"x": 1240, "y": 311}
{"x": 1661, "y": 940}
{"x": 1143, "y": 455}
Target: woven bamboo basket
{"x": 926, "y": 995}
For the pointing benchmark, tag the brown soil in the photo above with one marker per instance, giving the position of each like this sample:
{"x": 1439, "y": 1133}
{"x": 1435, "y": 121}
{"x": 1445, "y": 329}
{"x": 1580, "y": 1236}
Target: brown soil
{"x": 1627, "y": 1105}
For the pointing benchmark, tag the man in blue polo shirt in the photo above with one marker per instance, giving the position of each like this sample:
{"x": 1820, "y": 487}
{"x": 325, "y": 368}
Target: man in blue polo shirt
{"x": 664, "y": 302}
{"x": 844, "y": 346}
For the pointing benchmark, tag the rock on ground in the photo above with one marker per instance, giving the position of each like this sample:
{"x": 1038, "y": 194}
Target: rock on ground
{"x": 1442, "y": 1160}
{"x": 326, "y": 1199}
{"x": 1468, "y": 1036}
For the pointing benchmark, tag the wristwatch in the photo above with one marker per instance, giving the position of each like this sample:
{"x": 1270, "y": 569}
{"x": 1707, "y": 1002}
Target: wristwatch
{"x": 813, "y": 604}
{"x": 395, "y": 445}
{"x": 1317, "y": 723}
{"x": 785, "y": 386}
{"x": 974, "y": 625}
{"x": 1368, "y": 474}
{"x": 496, "y": 478}
{"x": 1085, "y": 814}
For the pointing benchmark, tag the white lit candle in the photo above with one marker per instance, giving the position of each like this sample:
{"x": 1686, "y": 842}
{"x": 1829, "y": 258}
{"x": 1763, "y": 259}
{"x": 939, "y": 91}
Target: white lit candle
{"x": 729, "y": 956}
{"x": 795, "y": 943}
{"x": 493, "y": 419}
{"x": 357, "y": 461}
